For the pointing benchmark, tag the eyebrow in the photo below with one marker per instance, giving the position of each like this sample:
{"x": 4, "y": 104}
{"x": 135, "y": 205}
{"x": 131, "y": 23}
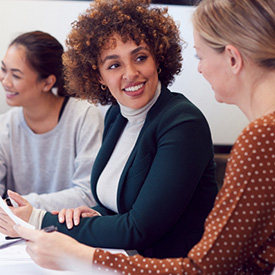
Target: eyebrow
{"x": 110, "y": 57}
{"x": 13, "y": 70}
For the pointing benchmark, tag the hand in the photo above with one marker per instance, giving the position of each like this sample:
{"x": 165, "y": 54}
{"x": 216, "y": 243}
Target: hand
{"x": 72, "y": 216}
{"x": 23, "y": 211}
{"x": 51, "y": 250}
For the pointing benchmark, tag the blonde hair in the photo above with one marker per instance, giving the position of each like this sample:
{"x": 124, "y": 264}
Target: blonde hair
{"x": 249, "y": 25}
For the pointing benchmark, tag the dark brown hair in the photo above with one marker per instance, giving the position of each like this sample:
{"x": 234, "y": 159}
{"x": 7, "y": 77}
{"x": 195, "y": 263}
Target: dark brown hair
{"x": 132, "y": 20}
{"x": 44, "y": 55}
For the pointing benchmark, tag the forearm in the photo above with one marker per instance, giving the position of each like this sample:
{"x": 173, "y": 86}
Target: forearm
{"x": 137, "y": 264}
{"x": 68, "y": 198}
{"x": 83, "y": 254}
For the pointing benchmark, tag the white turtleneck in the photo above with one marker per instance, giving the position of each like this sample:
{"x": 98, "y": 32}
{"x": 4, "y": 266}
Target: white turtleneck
{"x": 108, "y": 181}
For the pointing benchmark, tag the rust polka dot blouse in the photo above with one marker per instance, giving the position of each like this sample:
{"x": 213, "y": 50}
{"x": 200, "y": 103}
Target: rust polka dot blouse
{"x": 239, "y": 233}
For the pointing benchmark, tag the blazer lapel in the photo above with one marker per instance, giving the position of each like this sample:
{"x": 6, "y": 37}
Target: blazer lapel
{"x": 153, "y": 112}
{"x": 107, "y": 148}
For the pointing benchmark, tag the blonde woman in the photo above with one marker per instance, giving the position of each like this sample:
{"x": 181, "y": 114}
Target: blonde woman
{"x": 234, "y": 40}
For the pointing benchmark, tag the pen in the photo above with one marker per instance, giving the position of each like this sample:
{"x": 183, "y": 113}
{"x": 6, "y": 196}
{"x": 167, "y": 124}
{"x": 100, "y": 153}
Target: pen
{"x": 48, "y": 229}
{"x": 8, "y": 202}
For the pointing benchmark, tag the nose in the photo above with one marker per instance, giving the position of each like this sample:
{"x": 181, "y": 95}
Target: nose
{"x": 1, "y": 76}
{"x": 130, "y": 72}
{"x": 4, "y": 78}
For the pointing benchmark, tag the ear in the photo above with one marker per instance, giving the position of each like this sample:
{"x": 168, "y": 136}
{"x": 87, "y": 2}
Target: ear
{"x": 49, "y": 82}
{"x": 100, "y": 80}
{"x": 235, "y": 58}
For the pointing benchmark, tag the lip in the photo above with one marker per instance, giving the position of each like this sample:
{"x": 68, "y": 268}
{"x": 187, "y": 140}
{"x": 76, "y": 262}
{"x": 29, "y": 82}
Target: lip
{"x": 134, "y": 89}
{"x": 10, "y": 94}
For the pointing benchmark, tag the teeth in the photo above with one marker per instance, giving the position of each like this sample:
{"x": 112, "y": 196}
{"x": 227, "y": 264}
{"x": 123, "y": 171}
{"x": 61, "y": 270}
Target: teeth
{"x": 134, "y": 88}
{"x": 10, "y": 93}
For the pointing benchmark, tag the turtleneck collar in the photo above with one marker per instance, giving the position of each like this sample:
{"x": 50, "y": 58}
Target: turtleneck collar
{"x": 137, "y": 114}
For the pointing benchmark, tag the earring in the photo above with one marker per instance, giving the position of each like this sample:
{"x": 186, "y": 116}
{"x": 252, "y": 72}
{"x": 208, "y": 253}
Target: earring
{"x": 159, "y": 70}
{"x": 103, "y": 87}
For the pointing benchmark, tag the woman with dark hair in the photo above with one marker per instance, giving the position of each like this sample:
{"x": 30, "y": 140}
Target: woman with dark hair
{"x": 48, "y": 140}
{"x": 234, "y": 40}
{"x": 154, "y": 176}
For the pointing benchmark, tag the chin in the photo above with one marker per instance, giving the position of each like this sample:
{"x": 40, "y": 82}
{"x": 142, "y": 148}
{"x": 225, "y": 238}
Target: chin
{"x": 218, "y": 97}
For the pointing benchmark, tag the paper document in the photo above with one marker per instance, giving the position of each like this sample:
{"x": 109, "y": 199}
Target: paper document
{"x": 17, "y": 220}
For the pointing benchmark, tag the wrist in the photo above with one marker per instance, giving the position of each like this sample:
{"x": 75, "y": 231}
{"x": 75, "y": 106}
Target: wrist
{"x": 85, "y": 253}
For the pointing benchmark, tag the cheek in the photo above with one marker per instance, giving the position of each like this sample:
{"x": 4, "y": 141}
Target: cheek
{"x": 112, "y": 82}
{"x": 207, "y": 72}
{"x": 152, "y": 74}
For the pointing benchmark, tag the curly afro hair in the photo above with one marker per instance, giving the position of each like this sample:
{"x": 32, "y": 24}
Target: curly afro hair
{"x": 131, "y": 20}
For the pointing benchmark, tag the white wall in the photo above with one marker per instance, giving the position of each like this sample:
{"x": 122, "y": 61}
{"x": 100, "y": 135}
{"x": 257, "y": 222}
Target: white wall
{"x": 55, "y": 17}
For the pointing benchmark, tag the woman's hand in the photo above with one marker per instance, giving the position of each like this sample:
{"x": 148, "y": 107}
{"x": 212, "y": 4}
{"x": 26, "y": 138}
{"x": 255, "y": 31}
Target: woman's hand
{"x": 51, "y": 250}
{"x": 72, "y": 216}
{"x": 23, "y": 211}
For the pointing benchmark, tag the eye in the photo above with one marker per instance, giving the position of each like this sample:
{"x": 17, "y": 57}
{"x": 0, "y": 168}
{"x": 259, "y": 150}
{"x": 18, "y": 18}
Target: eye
{"x": 113, "y": 66}
{"x": 141, "y": 58}
{"x": 16, "y": 76}
{"x": 3, "y": 69}
{"x": 198, "y": 57}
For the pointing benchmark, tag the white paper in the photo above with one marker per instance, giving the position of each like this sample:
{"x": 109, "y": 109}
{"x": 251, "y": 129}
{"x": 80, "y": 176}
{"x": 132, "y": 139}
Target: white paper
{"x": 17, "y": 220}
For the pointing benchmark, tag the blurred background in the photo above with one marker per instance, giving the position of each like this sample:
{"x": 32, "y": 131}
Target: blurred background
{"x": 55, "y": 17}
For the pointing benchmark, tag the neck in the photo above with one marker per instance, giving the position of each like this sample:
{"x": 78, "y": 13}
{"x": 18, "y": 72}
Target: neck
{"x": 43, "y": 116}
{"x": 259, "y": 96}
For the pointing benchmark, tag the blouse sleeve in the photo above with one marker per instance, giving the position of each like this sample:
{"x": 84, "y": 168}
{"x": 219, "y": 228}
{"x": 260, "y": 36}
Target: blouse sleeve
{"x": 239, "y": 231}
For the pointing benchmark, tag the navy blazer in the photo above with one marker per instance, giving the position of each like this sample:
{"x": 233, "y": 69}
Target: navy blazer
{"x": 166, "y": 189}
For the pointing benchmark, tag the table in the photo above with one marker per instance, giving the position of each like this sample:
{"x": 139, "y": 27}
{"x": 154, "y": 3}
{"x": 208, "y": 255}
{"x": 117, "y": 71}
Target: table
{"x": 14, "y": 260}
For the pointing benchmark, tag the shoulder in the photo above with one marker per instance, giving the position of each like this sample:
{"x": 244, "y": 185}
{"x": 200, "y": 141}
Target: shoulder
{"x": 174, "y": 107}
{"x": 112, "y": 113}
{"x": 80, "y": 105}
{"x": 12, "y": 116}
{"x": 181, "y": 102}
{"x": 259, "y": 132}
{"x": 257, "y": 140}
{"x": 10, "y": 124}
{"x": 82, "y": 108}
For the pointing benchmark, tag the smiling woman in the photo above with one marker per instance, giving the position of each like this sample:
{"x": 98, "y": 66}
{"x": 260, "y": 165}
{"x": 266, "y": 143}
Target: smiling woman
{"x": 154, "y": 176}
{"x": 48, "y": 140}
{"x": 132, "y": 62}
{"x": 20, "y": 80}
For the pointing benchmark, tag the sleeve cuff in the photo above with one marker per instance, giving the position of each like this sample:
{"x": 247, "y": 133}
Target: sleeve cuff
{"x": 36, "y": 217}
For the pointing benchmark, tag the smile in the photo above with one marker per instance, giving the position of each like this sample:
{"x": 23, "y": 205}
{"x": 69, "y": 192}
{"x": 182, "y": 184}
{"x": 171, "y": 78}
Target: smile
{"x": 134, "y": 88}
{"x": 11, "y": 94}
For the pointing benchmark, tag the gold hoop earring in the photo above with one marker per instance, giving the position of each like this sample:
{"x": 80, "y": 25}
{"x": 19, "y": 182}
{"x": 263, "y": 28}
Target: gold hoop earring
{"x": 159, "y": 70}
{"x": 103, "y": 87}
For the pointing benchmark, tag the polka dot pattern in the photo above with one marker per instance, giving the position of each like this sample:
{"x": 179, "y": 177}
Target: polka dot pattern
{"x": 239, "y": 235}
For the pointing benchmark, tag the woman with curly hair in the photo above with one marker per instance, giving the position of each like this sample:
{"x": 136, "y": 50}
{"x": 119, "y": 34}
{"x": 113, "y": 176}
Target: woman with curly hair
{"x": 154, "y": 176}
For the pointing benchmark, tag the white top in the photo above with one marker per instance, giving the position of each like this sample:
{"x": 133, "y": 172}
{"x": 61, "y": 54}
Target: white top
{"x": 108, "y": 181}
{"x": 52, "y": 170}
